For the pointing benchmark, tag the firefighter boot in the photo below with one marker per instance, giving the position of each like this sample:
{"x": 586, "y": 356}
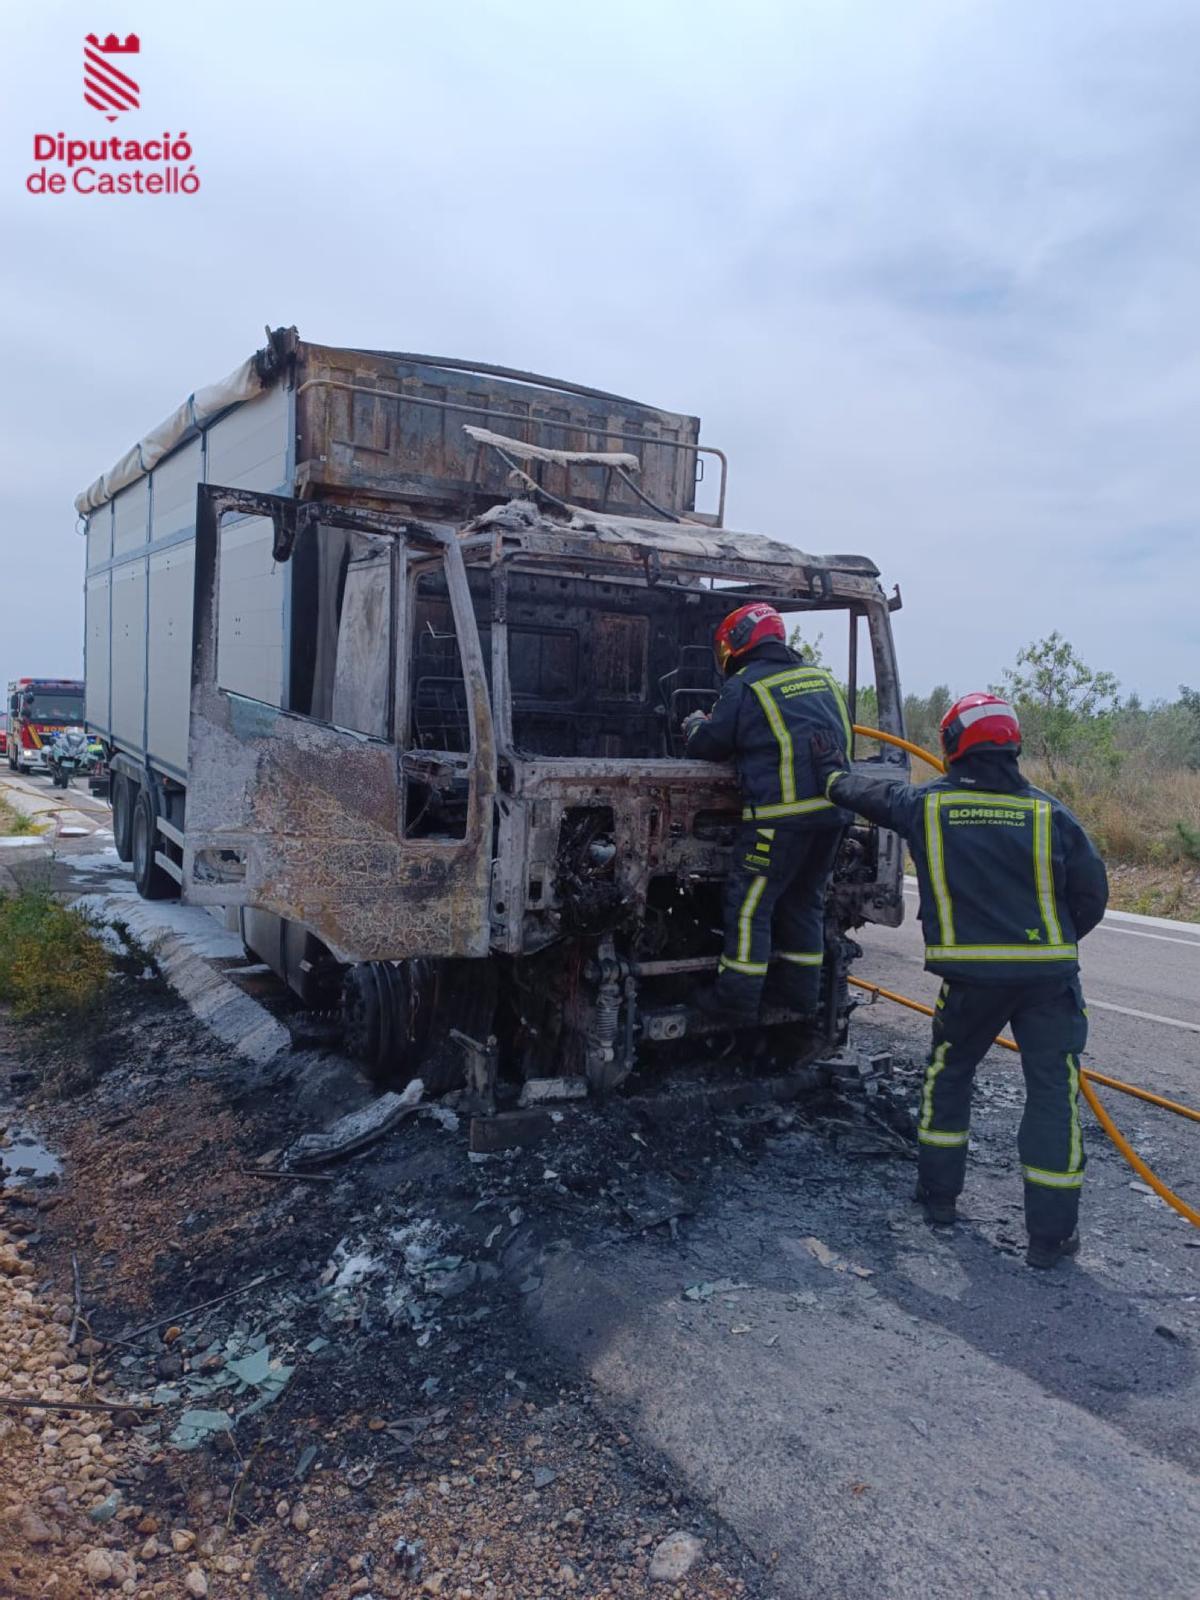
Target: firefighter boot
{"x": 718, "y": 1006}
{"x": 1049, "y": 1252}
{"x": 941, "y": 1210}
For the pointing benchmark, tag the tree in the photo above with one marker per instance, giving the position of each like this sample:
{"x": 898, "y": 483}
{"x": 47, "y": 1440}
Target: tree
{"x": 923, "y": 716}
{"x": 810, "y": 651}
{"x": 1065, "y": 708}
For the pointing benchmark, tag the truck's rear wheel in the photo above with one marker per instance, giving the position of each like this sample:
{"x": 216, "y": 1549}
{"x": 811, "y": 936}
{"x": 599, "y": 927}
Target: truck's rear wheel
{"x": 152, "y": 882}
{"x": 122, "y": 816}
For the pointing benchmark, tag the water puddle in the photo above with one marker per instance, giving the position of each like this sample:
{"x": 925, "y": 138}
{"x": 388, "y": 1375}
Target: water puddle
{"x": 24, "y": 1158}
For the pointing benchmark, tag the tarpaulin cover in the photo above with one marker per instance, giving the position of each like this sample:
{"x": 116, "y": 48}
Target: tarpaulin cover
{"x": 538, "y": 452}
{"x": 243, "y": 383}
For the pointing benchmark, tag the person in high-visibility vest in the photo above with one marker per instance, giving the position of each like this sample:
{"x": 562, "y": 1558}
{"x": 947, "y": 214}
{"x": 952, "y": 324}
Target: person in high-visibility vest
{"x": 1010, "y": 883}
{"x": 771, "y": 704}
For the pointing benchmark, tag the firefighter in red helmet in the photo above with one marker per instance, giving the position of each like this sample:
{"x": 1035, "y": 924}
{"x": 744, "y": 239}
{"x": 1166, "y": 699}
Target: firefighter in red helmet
{"x": 771, "y": 705}
{"x": 1009, "y": 884}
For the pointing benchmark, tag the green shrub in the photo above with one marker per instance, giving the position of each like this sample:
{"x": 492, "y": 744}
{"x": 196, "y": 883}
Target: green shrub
{"x": 51, "y": 960}
{"x": 13, "y": 821}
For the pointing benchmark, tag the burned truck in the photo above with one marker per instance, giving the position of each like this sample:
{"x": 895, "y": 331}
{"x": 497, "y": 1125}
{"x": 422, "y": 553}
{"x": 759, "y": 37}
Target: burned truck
{"x": 390, "y": 655}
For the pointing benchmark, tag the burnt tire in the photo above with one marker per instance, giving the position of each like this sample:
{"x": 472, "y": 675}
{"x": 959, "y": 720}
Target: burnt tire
{"x": 152, "y": 882}
{"x": 122, "y": 816}
{"x": 388, "y": 1009}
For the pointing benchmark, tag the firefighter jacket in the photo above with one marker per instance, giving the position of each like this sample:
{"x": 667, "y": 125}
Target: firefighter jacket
{"x": 1009, "y": 880}
{"x": 767, "y": 712}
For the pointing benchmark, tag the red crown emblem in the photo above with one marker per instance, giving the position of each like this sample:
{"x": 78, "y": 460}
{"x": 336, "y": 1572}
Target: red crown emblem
{"x": 107, "y": 87}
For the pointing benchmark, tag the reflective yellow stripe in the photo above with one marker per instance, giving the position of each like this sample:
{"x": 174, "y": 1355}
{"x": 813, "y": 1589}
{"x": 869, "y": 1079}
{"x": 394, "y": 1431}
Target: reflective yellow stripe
{"x": 749, "y": 906}
{"x": 1075, "y": 1151}
{"x": 801, "y": 958}
{"x": 796, "y": 675}
{"x": 1044, "y": 871}
{"x": 1001, "y": 952}
{"x": 765, "y": 833}
{"x": 845, "y": 716}
{"x": 947, "y": 1141}
{"x": 937, "y": 1062}
{"x": 1053, "y": 1180}
{"x": 752, "y": 969}
{"x": 797, "y": 808}
{"x": 787, "y": 756}
{"x": 937, "y": 867}
{"x": 827, "y": 682}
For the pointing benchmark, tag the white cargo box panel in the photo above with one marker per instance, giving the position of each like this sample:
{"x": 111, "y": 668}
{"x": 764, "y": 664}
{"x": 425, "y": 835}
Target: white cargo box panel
{"x": 169, "y": 640}
{"x": 96, "y": 651}
{"x": 131, "y": 517}
{"x": 249, "y": 449}
{"x": 129, "y": 652}
{"x": 169, "y": 653}
{"x": 173, "y": 498}
{"x": 99, "y": 537}
{"x": 250, "y": 612}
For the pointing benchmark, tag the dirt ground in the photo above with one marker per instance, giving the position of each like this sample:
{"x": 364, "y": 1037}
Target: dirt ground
{"x": 1172, "y": 891}
{"x": 419, "y": 1440}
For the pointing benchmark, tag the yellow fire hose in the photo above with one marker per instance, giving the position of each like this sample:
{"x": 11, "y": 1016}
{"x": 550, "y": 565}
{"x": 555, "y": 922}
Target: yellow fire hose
{"x": 1086, "y": 1078}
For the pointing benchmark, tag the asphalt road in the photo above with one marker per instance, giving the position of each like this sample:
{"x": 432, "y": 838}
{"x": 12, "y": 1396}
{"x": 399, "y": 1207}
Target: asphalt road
{"x": 1141, "y": 979}
{"x": 954, "y": 1423}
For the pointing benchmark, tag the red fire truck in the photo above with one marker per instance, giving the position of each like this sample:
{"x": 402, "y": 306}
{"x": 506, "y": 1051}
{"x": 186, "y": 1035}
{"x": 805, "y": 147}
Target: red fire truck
{"x": 38, "y": 708}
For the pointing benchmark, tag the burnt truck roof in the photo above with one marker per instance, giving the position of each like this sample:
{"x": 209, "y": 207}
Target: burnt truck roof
{"x": 682, "y": 548}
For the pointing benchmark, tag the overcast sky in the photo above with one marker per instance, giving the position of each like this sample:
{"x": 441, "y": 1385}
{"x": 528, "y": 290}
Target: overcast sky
{"x": 928, "y": 271}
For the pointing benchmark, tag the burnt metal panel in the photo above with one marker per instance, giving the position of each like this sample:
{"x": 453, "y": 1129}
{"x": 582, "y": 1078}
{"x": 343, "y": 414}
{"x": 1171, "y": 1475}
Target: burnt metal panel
{"x": 392, "y": 425}
{"x": 301, "y": 818}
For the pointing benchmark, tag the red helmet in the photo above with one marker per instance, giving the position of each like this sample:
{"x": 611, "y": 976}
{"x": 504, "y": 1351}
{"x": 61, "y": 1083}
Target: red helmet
{"x": 978, "y": 722}
{"x": 744, "y": 628}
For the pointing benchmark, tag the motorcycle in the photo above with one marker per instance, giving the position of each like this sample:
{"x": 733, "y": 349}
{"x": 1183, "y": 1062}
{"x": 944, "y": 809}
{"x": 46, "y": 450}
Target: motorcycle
{"x": 66, "y": 755}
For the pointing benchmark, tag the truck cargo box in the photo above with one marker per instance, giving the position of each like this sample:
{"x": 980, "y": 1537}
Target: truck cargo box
{"x": 312, "y": 421}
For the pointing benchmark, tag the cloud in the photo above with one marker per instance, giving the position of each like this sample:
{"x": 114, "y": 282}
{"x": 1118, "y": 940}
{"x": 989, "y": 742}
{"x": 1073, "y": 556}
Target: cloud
{"x": 927, "y": 272}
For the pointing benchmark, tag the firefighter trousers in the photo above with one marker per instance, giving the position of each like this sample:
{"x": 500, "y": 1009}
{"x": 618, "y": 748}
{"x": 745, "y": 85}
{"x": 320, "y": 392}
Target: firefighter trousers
{"x": 775, "y": 916}
{"x": 1049, "y": 1023}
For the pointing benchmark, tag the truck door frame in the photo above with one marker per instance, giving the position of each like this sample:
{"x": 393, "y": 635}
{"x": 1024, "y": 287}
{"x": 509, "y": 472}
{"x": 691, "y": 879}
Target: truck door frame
{"x": 294, "y": 815}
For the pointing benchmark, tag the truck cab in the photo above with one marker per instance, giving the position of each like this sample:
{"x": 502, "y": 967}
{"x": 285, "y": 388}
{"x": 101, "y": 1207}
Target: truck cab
{"x": 481, "y": 811}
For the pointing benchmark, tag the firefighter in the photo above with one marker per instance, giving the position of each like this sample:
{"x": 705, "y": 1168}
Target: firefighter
{"x": 1009, "y": 883}
{"x": 771, "y": 705}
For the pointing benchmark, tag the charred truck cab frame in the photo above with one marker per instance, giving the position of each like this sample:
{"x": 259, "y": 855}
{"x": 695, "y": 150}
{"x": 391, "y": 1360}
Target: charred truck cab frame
{"x": 465, "y": 816}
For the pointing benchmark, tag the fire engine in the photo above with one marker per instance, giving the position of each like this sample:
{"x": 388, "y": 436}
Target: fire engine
{"x": 38, "y": 708}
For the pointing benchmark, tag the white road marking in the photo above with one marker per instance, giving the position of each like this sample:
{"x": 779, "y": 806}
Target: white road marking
{"x": 1153, "y": 922}
{"x": 1146, "y": 1016}
{"x": 1107, "y": 926}
{"x": 1136, "y": 933}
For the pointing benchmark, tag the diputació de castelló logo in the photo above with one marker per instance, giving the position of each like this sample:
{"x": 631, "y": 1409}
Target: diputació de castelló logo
{"x": 115, "y": 164}
{"x": 106, "y": 82}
